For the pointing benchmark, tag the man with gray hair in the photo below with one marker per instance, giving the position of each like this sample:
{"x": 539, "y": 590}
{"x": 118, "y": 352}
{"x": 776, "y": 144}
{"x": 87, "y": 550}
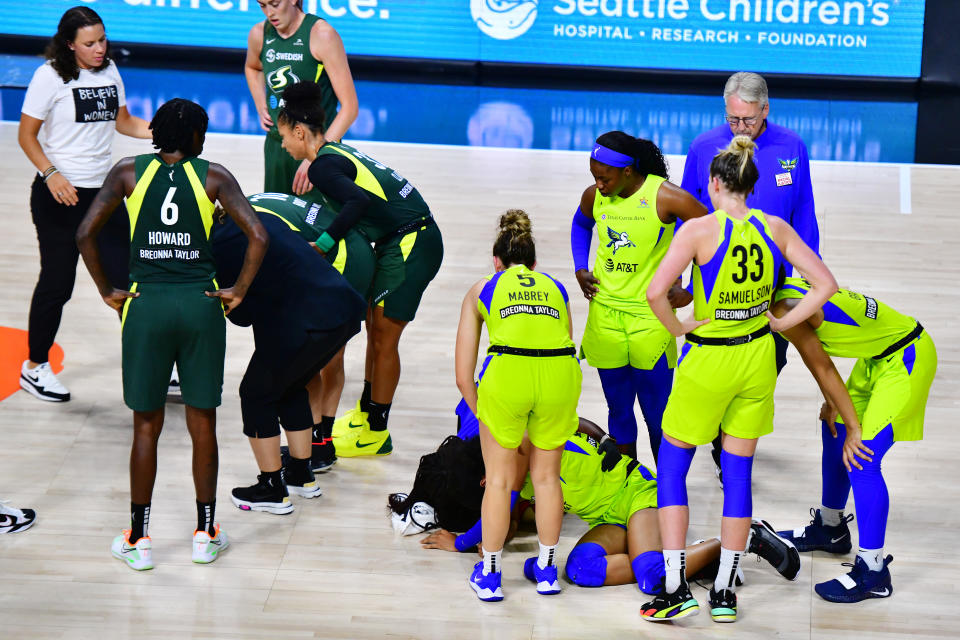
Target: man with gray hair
{"x": 784, "y": 188}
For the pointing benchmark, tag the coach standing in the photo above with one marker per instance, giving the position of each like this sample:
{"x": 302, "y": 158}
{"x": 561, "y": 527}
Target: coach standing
{"x": 783, "y": 190}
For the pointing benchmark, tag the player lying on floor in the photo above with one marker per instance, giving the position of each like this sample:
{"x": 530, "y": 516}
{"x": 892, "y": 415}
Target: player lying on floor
{"x": 614, "y": 494}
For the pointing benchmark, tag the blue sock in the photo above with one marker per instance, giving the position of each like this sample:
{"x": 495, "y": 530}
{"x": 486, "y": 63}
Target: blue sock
{"x": 672, "y": 474}
{"x": 652, "y": 387}
{"x": 737, "y": 472}
{"x": 870, "y": 492}
{"x": 835, "y": 481}
{"x": 617, "y": 387}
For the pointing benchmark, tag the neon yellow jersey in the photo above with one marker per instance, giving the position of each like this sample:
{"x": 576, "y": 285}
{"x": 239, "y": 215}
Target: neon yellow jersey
{"x": 735, "y": 287}
{"x": 525, "y": 309}
{"x": 588, "y": 491}
{"x": 854, "y": 325}
{"x": 633, "y": 241}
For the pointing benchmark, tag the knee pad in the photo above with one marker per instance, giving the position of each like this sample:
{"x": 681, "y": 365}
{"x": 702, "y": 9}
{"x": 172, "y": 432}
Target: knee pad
{"x": 673, "y": 463}
{"x": 649, "y": 571}
{"x": 737, "y": 498}
{"x": 587, "y": 565}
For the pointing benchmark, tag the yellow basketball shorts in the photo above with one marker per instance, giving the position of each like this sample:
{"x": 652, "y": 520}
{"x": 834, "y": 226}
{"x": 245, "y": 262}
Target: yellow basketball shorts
{"x": 728, "y": 385}
{"x": 614, "y": 339}
{"x": 528, "y": 394}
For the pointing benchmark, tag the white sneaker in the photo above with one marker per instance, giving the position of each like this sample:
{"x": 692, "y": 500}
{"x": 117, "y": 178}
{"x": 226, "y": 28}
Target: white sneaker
{"x": 173, "y": 388}
{"x": 41, "y": 382}
{"x": 138, "y": 557}
{"x": 13, "y": 520}
{"x": 207, "y": 549}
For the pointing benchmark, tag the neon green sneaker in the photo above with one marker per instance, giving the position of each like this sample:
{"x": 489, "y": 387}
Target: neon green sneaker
{"x": 365, "y": 443}
{"x": 207, "y": 549}
{"x": 349, "y": 422}
{"x": 138, "y": 557}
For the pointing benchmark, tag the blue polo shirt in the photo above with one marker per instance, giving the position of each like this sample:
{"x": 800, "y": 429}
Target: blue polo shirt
{"x": 784, "y": 188}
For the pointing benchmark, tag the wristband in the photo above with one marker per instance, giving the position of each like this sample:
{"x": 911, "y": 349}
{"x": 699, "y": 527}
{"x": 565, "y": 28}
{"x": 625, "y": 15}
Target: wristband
{"x": 325, "y": 242}
{"x": 49, "y": 172}
{"x": 606, "y": 437}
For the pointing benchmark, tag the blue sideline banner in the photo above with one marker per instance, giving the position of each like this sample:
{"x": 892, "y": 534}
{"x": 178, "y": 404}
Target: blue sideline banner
{"x": 880, "y": 38}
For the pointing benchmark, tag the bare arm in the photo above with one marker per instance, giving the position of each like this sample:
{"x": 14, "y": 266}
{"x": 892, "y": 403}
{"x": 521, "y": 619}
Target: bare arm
{"x": 682, "y": 251}
{"x": 811, "y": 267}
{"x": 253, "y": 71}
{"x": 131, "y": 125}
{"x": 673, "y": 202}
{"x": 468, "y": 340}
{"x": 804, "y": 338}
{"x": 326, "y": 45}
{"x": 118, "y": 184}
{"x": 227, "y": 191}
{"x": 28, "y": 136}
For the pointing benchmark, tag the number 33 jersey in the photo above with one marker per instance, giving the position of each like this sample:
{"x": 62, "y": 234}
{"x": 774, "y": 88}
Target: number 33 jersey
{"x": 735, "y": 288}
{"x": 170, "y": 221}
{"x": 525, "y": 309}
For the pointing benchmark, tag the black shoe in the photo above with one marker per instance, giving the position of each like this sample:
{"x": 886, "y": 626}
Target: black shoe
{"x": 300, "y": 480}
{"x": 817, "y": 536}
{"x": 779, "y": 552}
{"x": 671, "y": 606}
{"x": 715, "y": 449}
{"x": 723, "y": 605}
{"x": 263, "y": 496}
{"x": 322, "y": 457}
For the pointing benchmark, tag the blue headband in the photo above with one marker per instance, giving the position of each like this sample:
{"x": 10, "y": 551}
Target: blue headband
{"x": 610, "y": 157}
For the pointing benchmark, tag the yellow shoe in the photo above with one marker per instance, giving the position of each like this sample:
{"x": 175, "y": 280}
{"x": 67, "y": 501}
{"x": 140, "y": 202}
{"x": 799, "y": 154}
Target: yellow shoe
{"x": 366, "y": 443}
{"x": 349, "y": 422}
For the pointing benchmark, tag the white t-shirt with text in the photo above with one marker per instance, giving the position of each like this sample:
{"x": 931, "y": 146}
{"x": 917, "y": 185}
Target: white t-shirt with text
{"x": 79, "y": 120}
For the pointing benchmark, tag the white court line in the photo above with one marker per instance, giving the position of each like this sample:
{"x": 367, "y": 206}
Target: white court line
{"x": 906, "y": 201}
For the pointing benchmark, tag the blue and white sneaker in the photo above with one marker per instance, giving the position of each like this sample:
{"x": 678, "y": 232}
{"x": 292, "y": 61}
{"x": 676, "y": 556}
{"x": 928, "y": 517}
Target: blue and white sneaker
{"x": 487, "y": 585}
{"x": 819, "y": 537}
{"x": 859, "y": 584}
{"x": 545, "y": 579}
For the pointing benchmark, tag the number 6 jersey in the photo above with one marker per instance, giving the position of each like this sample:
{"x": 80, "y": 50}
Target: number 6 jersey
{"x": 170, "y": 221}
{"x": 735, "y": 288}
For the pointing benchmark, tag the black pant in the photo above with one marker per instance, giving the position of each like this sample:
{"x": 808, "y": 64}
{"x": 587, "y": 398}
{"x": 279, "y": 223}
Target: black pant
{"x": 56, "y": 232}
{"x": 273, "y": 389}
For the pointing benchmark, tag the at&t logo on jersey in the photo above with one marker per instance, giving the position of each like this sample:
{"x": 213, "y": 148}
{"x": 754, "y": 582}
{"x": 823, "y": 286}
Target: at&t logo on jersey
{"x": 504, "y": 19}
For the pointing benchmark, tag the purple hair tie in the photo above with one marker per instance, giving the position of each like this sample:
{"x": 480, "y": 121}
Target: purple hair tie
{"x": 610, "y": 157}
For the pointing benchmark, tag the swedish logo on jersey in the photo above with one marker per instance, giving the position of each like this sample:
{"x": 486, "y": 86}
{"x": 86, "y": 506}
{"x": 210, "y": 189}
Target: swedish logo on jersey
{"x": 280, "y": 79}
{"x": 788, "y": 165}
{"x": 618, "y": 240}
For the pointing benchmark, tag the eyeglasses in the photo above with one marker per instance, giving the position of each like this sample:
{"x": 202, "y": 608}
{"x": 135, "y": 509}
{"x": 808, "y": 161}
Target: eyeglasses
{"x": 747, "y": 122}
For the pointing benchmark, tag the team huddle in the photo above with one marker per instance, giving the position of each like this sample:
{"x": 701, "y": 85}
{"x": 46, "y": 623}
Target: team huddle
{"x": 337, "y": 240}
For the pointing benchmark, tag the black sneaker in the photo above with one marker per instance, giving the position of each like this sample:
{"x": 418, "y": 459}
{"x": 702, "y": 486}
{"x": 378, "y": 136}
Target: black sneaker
{"x": 671, "y": 606}
{"x": 778, "y": 551}
{"x": 817, "y": 536}
{"x": 13, "y": 520}
{"x": 723, "y": 605}
{"x": 715, "y": 450}
{"x": 263, "y": 496}
{"x": 322, "y": 457}
{"x": 300, "y": 480}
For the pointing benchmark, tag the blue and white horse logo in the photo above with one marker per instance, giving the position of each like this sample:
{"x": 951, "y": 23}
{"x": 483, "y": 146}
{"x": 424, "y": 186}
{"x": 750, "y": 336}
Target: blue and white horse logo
{"x": 504, "y": 19}
{"x": 618, "y": 240}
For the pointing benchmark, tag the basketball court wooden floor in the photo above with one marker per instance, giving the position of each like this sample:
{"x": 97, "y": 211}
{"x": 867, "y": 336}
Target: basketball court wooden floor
{"x": 333, "y": 569}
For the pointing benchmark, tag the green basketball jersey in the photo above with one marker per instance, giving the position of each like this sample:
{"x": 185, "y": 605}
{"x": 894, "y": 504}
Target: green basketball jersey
{"x": 395, "y": 201}
{"x": 352, "y": 256}
{"x": 588, "y": 491}
{"x": 288, "y": 61}
{"x": 525, "y": 309}
{"x": 735, "y": 288}
{"x": 854, "y": 325}
{"x": 633, "y": 241}
{"x": 170, "y": 220}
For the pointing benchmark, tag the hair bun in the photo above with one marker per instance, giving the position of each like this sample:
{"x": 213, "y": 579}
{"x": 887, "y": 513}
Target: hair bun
{"x": 742, "y": 145}
{"x": 515, "y": 221}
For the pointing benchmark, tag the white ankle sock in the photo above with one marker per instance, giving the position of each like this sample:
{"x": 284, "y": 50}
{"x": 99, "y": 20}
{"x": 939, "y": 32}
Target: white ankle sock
{"x": 491, "y": 561}
{"x": 727, "y": 574}
{"x": 873, "y": 558}
{"x": 547, "y": 555}
{"x": 831, "y": 517}
{"x": 675, "y": 561}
